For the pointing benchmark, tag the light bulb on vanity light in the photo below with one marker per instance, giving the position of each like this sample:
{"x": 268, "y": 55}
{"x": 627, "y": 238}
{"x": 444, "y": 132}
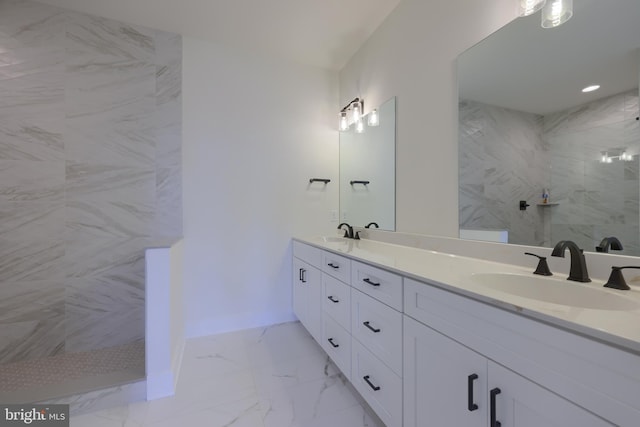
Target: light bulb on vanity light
{"x": 343, "y": 124}
{"x": 373, "y": 119}
{"x": 556, "y": 13}
{"x": 359, "y": 126}
{"x": 356, "y": 111}
{"x": 529, "y": 7}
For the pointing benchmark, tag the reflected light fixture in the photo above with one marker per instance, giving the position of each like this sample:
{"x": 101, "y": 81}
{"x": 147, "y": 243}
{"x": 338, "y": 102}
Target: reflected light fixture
{"x": 556, "y": 13}
{"x": 359, "y": 126}
{"x": 529, "y": 7}
{"x": 590, "y": 88}
{"x": 356, "y": 110}
{"x": 373, "y": 119}
{"x": 343, "y": 124}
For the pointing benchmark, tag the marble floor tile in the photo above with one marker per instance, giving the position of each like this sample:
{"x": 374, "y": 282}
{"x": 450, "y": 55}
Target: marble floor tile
{"x": 239, "y": 379}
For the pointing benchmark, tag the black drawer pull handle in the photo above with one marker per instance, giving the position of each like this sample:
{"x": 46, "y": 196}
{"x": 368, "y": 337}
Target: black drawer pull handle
{"x": 470, "y": 379}
{"x": 302, "y": 278}
{"x": 300, "y": 275}
{"x": 332, "y": 343}
{"x": 367, "y": 280}
{"x": 371, "y": 328}
{"x": 335, "y": 301}
{"x": 374, "y": 387}
{"x": 332, "y": 265}
{"x": 493, "y": 393}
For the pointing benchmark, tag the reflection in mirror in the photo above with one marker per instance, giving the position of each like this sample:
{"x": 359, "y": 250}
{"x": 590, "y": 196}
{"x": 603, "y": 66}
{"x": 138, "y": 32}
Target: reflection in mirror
{"x": 367, "y": 171}
{"x": 527, "y": 129}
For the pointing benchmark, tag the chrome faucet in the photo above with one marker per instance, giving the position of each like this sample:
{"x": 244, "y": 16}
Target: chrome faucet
{"x": 348, "y": 233}
{"x": 609, "y": 242}
{"x": 578, "y": 270}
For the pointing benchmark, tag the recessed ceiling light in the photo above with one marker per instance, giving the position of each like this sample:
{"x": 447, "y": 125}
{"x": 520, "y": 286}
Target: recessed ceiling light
{"x": 591, "y": 88}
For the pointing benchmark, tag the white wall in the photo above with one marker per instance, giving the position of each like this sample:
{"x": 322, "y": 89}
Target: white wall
{"x": 255, "y": 130}
{"x": 412, "y": 56}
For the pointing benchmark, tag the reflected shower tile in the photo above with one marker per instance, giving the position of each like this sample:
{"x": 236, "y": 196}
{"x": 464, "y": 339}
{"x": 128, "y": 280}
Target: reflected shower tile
{"x": 31, "y": 260}
{"x": 22, "y": 180}
{"x": 110, "y": 183}
{"x": 89, "y": 219}
{"x": 631, "y": 107}
{"x": 601, "y": 112}
{"x": 102, "y": 312}
{"x": 31, "y": 221}
{"x": 555, "y": 122}
{"x": 31, "y": 320}
{"x": 115, "y": 258}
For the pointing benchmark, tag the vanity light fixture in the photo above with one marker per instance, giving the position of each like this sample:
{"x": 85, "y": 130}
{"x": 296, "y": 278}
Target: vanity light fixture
{"x": 359, "y": 126}
{"x": 373, "y": 119}
{"x": 356, "y": 110}
{"x": 556, "y": 13}
{"x": 344, "y": 121}
{"x": 529, "y": 7}
{"x": 590, "y": 88}
{"x": 623, "y": 156}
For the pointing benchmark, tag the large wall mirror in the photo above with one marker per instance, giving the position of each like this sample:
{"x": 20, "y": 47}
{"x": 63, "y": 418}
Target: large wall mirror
{"x": 368, "y": 172}
{"x": 526, "y": 126}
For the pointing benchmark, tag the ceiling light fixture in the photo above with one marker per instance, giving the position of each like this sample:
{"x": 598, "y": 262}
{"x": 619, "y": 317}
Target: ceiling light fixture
{"x": 556, "y": 13}
{"x": 590, "y": 88}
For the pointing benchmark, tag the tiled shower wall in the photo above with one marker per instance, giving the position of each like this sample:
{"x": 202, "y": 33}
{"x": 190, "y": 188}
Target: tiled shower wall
{"x": 508, "y": 155}
{"x": 90, "y": 175}
{"x": 596, "y": 200}
{"x": 502, "y": 160}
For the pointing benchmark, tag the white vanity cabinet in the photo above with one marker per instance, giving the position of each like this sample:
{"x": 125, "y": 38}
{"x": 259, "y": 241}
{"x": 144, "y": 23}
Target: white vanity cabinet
{"x": 446, "y": 383}
{"x": 307, "y": 288}
{"x": 431, "y": 355}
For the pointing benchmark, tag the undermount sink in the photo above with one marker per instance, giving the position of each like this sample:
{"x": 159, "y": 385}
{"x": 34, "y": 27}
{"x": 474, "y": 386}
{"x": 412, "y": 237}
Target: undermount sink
{"x": 554, "y": 290}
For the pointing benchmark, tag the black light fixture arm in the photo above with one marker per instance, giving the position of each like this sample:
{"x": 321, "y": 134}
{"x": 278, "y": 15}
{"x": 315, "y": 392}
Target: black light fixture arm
{"x": 356, "y": 99}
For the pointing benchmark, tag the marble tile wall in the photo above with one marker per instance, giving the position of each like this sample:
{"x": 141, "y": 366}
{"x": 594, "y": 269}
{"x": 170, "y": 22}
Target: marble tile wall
{"x": 506, "y": 156}
{"x": 90, "y": 174}
{"x": 596, "y": 200}
{"x": 502, "y": 159}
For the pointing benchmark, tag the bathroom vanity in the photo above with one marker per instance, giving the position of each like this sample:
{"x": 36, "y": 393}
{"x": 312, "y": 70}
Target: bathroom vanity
{"x": 429, "y": 338}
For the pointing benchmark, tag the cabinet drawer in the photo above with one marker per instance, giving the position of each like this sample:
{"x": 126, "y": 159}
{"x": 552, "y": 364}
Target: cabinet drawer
{"x": 377, "y": 383}
{"x": 380, "y": 284}
{"x": 336, "y": 341}
{"x": 337, "y": 266}
{"x": 336, "y": 300}
{"x": 377, "y": 327}
{"x": 307, "y": 253}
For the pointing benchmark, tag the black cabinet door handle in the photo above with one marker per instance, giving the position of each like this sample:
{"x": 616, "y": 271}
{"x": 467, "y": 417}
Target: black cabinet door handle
{"x": 374, "y": 387}
{"x": 332, "y": 343}
{"x": 470, "y": 379}
{"x": 371, "y": 328}
{"x": 493, "y": 393}
{"x": 302, "y": 278}
{"x": 332, "y": 265}
{"x": 367, "y": 280}
{"x": 335, "y": 301}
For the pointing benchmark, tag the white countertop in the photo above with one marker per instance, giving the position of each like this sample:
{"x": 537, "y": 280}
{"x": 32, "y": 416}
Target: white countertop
{"x": 454, "y": 273}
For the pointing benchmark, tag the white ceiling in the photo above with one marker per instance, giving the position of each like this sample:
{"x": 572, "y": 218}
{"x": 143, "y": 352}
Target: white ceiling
{"x": 527, "y": 68}
{"x": 323, "y": 33}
